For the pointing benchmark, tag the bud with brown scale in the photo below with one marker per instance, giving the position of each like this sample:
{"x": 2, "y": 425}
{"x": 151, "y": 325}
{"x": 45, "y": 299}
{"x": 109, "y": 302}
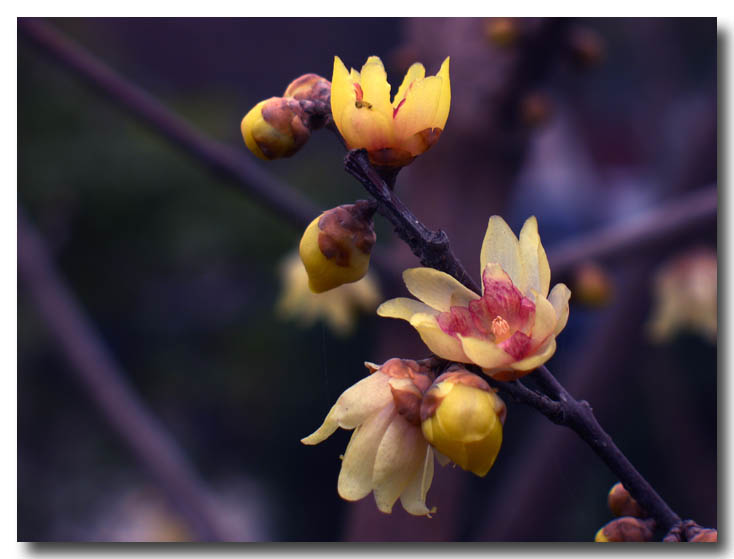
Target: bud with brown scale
{"x": 621, "y": 503}
{"x": 336, "y": 246}
{"x": 626, "y": 529}
{"x": 275, "y": 128}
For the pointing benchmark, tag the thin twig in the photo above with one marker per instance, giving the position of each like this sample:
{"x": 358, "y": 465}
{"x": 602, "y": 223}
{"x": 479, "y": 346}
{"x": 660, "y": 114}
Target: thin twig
{"x": 553, "y": 401}
{"x": 96, "y": 369}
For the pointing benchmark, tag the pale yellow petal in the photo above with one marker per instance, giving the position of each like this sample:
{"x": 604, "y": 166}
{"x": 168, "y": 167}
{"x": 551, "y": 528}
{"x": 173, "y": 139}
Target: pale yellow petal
{"x": 484, "y": 353}
{"x": 415, "y": 72}
{"x": 343, "y": 94}
{"x": 354, "y": 75}
{"x": 534, "y": 257}
{"x": 355, "y": 476}
{"x": 404, "y": 308}
{"x": 545, "y": 320}
{"x": 502, "y": 247}
{"x": 559, "y": 296}
{"x": 413, "y": 498}
{"x": 437, "y": 289}
{"x": 399, "y": 457}
{"x": 535, "y": 361}
{"x": 373, "y": 80}
{"x": 438, "y": 341}
{"x": 444, "y": 103}
{"x": 419, "y": 109}
{"x": 365, "y": 127}
{"x": 354, "y": 406}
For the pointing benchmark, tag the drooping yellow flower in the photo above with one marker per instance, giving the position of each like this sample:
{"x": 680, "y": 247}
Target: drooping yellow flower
{"x": 338, "y": 308}
{"x": 462, "y": 418}
{"x": 387, "y": 454}
{"x": 508, "y": 330}
{"x": 393, "y": 133}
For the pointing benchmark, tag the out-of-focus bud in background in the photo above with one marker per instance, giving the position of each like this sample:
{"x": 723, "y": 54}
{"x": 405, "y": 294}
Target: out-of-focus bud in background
{"x": 536, "y": 109}
{"x": 585, "y": 47}
{"x": 462, "y": 418}
{"x": 501, "y": 31}
{"x": 592, "y": 285}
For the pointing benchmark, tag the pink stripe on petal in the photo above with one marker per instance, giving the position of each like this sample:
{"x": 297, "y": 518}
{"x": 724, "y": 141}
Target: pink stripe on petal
{"x": 502, "y": 298}
{"x": 517, "y": 345}
{"x": 458, "y": 320}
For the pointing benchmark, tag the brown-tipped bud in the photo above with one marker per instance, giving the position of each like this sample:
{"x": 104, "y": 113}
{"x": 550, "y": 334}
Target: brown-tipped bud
{"x": 586, "y": 47}
{"x": 310, "y": 87}
{"x": 536, "y": 109}
{"x": 707, "y": 535}
{"x": 621, "y": 503}
{"x": 626, "y": 529}
{"x": 501, "y": 31}
{"x": 592, "y": 286}
{"x": 408, "y": 381}
{"x": 275, "y": 128}
{"x": 462, "y": 418}
{"x": 336, "y": 246}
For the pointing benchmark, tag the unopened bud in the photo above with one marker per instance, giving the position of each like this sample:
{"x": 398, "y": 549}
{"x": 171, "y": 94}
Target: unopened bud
{"x": 707, "y": 535}
{"x": 310, "y": 87}
{"x": 586, "y": 47}
{"x": 275, "y": 128}
{"x": 336, "y": 246}
{"x": 625, "y": 529}
{"x": 462, "y": 418}
{"x": 621, "y": 503}
{"x": 408, "y": 381}
{"x": 536, "y": 109}
{"x": 592, "y": 286}
{"x": 501, "y": 31}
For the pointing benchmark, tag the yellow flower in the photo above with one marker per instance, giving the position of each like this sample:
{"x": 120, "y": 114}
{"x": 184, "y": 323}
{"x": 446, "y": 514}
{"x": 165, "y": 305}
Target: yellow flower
{"x": 392, "y": 133}
{"x": 336, "y": 246}
{"x": 462, "y": 418}
{"x": 338, "y": 308}
{"x": 685, "y": 297}
{"x": 387, "y": 454}
{"x": 511, "y": 328}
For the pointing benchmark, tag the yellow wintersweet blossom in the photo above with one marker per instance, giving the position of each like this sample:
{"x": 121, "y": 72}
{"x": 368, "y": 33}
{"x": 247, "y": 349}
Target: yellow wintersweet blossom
{"x": 387, "y": 454}
{"x": 338, "y": 307}
{"x": 508, "y": 330}
{"x": 393, "y": 133}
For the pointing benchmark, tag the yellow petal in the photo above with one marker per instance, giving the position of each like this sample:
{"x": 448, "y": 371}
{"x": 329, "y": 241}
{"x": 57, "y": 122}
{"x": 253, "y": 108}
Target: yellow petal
{"x": 419, "y": 109}
{"x": 354, "y": 406}
{"x": 373, "y": 80}
{"x": 415, "y": 72}
{"x": 365, "y": 127}
{"x": 502, "y": 247}
{"x": 400, "y": 455}
{"x": 444, "y": 103}
{"x": 484, "y": 353}
{"x": 354, "y": 75}
{"x": 545, "y": 320}
{"x": 438, "y": 341}
{"x": 413, "y": 498}
{"x": 535, "y": 361}
{"x": 355, "y": 476}
{"x": 404, "y": 308}
{"x": 559, "y": 296}
{"x": 342, "y": 93}
{"x": 534, "y": 257}
{"x": 437, "y": 289}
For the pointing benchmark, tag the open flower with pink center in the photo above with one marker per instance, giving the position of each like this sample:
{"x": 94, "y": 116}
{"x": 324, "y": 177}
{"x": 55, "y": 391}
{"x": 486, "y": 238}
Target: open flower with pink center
{"x": 508, "y": 330}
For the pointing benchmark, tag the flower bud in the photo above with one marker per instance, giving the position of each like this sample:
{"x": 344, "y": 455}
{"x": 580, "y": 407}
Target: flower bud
{"x": 335, "y": 248}
{"x": 707, "y": 535}
{"x": 462, "y": 418}
{"x": 274, "y": 128}
{"x": 625, "y": 529}
{"x": 309, "y": 87}
{"x": 592, "y": 285}
{"x": 621, "y": 503}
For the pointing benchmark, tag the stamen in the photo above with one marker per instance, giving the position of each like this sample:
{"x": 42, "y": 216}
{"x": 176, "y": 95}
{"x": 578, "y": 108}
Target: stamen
{"x": 500, "y": 329}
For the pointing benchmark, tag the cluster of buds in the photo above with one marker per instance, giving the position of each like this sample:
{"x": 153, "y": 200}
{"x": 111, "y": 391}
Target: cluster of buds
{"x": 632, "y": 524}
{"x": 401, "y": 418}
{"x": 280, "y": 126}
{"x": 336, "y": 246}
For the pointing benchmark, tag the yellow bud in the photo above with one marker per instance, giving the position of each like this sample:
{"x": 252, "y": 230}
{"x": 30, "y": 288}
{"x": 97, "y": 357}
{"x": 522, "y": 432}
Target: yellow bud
{"x": 625, "y": 529}
{"x": 621, "y": 502}
{"x": 335, "y": 248}
{"x": 274, "y": 128}
{"x": 462, "y": 418}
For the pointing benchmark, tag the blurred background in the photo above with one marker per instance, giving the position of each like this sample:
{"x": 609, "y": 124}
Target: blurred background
{"x": 584, "y": 123}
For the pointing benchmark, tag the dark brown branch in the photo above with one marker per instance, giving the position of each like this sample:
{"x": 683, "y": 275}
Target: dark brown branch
{"x": 553, "y": 400}
{"x": 95, "y": 368}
